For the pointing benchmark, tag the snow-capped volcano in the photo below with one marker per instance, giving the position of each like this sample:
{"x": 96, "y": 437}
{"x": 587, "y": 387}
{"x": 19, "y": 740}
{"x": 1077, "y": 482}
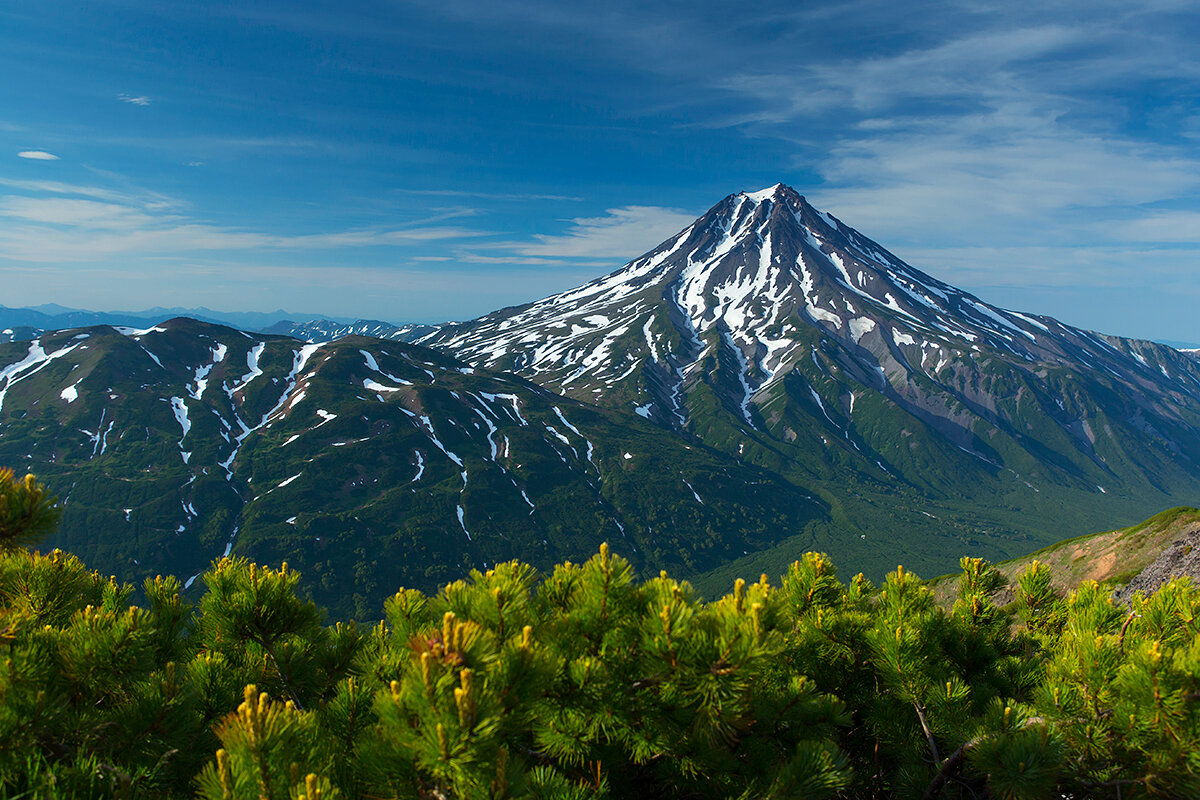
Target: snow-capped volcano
{"x": 745, "y": 288}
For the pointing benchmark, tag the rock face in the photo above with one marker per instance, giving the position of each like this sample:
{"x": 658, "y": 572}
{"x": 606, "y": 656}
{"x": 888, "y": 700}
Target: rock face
{"x": 1180, "y": 560}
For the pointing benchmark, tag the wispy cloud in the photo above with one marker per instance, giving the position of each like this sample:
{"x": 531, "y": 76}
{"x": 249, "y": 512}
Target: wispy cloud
{"x": 995, "y": 152}
{"x": 54, "y": 221}
{"x": 135, "y": 100}
{"x": 1156, "y": 226}
{"x": 81, "y": 190}
{"x": 1103, "y": 266}
{"x": 490, "y": 195}
{"x": 622, "y": 233}
{"x": 506, "y": 261}
{"x": 993, "y": 174}
{"x": 37, "y": 155}
{"x": 966, "y": 71}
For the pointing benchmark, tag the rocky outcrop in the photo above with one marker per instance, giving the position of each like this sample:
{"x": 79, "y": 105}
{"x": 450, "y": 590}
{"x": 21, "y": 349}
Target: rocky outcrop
{"x": 1180, "y": 559}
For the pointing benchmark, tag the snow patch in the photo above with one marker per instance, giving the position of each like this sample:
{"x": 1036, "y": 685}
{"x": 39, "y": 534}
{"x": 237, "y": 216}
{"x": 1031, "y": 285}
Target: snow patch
{"x": 375, "y": 386}
{"x": 558, "y": 435}
{"x": 35, "y": 361}
{"x": 180, "y": 410}
{"x": 373, "y": 365}
{"x": 762, "y": 194}
{"x": 860, "y": 327}
{"x": 510, "y": 398}
{"x": 570, "y": 427}
{"x": 252, "y": 358}
{"x": 463, "y": 524}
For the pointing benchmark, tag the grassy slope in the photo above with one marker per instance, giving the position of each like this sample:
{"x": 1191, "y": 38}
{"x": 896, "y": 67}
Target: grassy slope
{"x": 1109, "y": 557}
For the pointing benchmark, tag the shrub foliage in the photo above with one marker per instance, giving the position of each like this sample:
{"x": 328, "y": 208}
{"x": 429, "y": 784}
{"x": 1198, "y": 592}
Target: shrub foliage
{"x": 586, "y": 683}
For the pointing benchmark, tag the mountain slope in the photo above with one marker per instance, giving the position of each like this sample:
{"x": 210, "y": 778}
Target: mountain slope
{"x": 1116, "y": 557}
{"x": 370, "y": 464}
{"x": 779, "y": 334}
{"x": 324, "y": 330}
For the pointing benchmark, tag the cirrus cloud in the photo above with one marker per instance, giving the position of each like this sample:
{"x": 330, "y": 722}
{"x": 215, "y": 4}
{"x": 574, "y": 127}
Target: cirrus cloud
{"x": 622, "y": 233}
{"x": 47, "y": 222}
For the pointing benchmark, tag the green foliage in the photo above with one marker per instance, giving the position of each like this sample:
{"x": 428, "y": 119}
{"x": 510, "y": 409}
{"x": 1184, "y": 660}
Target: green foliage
{"x": 585, "y": 683}
{"x": 255, "y": 619}
{"x": 267, "y": 752}
{"x": 27, "y": 511}
{"x": 1121, "y": 688}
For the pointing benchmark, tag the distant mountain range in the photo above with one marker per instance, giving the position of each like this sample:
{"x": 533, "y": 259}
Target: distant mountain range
{"x": 23, "y": 324}
{"x": 767, "y": 381}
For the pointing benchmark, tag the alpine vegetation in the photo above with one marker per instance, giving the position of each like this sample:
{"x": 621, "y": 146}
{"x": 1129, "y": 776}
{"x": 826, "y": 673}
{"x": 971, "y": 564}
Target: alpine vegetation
{"x": 582, "y": 682}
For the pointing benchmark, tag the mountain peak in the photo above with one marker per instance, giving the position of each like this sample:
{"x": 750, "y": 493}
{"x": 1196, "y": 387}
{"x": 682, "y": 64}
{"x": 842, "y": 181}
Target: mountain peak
{"x": 780, "y": 195}
{"x": 768, "y": 193}
{"x": 764, "y": 287}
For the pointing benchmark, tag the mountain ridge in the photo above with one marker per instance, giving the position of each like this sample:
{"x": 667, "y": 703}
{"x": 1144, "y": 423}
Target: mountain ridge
{"x": 24, "y": 323}
{"x": 370, "y": 463}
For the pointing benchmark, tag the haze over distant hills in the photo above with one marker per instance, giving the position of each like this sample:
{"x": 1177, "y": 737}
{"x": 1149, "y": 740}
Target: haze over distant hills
{"x": 20, "y": 324}
{"x": 51, "y": 316}
{"x": 767, "y": 381}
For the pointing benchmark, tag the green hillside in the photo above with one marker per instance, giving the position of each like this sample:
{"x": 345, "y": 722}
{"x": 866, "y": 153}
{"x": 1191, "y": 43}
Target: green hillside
{"x": 1110, "y": 557}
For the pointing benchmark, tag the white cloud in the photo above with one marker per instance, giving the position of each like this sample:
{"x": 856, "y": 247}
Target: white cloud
{"x": 968, "y": 70}
{"x": 37, "y": 155}
{"x": 997, "y": 152}
{"x": 490, "y": 195}
{"x": 623, "y": 233}
{"x": 136, "y": 100}
{"x": 87, "y": 214}
{"x": 72, "y": 223}
{"x": 1033, "y": 267}
{"x": 1158, "y": 226}
{"x": 78, "y": 190}
{"x": 1007, "y": 173}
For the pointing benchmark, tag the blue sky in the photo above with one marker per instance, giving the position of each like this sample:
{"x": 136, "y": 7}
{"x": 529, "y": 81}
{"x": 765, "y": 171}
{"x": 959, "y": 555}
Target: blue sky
{"x": 429, "y": 161}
